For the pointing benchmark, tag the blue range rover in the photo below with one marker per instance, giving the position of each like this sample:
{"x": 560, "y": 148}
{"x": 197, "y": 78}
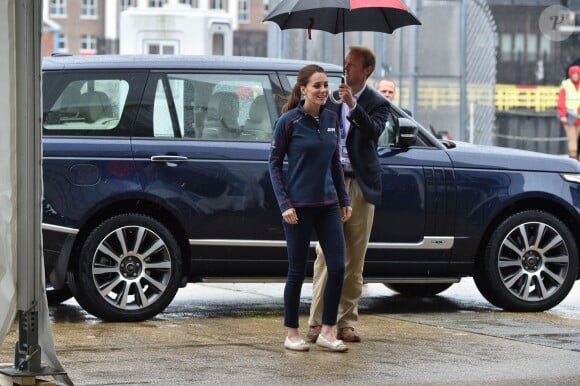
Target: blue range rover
{"x": 155, "y": 175}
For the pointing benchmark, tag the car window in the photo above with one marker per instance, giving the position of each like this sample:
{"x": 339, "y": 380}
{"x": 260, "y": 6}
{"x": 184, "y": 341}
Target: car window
{"x": 214, "y": 106}
{"x": 162, "y": 126}
{"x": 387, "y": 138}
{"x": 87, "y": 107}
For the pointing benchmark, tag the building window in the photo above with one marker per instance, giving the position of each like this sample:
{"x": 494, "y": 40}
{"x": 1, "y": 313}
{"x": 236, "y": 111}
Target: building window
{"x": 157, "y": 3}
{"x": 532, "y": 48}
{"x": 218, "y": 44}
{"x": 161, "y": 48}
{"x": 244, "y": 11}
{"x": 545, "y": 49}
{"x": 217, "y": 4}
{"x": 57, "y": 8}
{"x": 88, "y": 44}
{"x": 519, "y": 47}
{"x": 89, "y": 9}
{"x": 127, "y": 4}
{"x": 62, "y": 43}
{"x": 506, "y": 47}
{"x": 192, "y": 3}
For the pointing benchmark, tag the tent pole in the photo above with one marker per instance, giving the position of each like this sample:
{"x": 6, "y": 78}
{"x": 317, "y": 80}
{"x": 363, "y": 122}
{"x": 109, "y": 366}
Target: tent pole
{"x": 27, "y": 27}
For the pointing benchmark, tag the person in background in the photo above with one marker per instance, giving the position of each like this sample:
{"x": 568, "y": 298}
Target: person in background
{"x": 363, "y": 113}
{"x": 569, "y": 109}
{"x": 388, "y": 89}
{"x": 308, "y": 196}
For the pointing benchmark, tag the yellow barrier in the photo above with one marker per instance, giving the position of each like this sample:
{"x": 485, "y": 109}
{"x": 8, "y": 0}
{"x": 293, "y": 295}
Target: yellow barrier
{"x": 537, "y": 98}
{"x": 438, "y": 94}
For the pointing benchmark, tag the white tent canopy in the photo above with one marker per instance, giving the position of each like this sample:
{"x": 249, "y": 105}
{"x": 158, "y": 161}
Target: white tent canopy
{"x": 7, "y": 174}
{"x": 21, "y": 268}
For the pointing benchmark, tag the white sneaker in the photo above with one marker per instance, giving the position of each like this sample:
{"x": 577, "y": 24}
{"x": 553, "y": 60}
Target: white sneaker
{"x": 301, "y": 345}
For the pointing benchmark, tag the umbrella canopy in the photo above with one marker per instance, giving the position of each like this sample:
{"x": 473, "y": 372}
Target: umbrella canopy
{"x": 337, "y": 16}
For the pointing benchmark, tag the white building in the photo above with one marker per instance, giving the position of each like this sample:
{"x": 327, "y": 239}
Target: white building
{"x": 176, "y": 29}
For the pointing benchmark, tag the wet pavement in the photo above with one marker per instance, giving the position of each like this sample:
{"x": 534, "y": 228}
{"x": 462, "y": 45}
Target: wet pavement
{"x": 232, "y": 334}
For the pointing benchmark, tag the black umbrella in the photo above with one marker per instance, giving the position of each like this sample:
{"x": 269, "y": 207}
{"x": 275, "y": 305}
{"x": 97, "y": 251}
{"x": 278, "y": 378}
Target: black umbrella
{"x": 339, "y": 16}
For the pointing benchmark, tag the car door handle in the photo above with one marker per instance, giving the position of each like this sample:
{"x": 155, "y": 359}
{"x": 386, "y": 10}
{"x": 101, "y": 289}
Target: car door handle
{"x": 168, "y": 158}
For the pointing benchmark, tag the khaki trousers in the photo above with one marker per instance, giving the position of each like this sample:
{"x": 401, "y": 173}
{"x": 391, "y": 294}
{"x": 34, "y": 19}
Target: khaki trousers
{"x": 572, "y": 132}
{"x": 357, "y": 232}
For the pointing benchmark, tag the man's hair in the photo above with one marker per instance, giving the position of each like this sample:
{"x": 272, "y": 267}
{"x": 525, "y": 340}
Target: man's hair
{"x": 386, "y": 80}
{"x": 369, "y": 59}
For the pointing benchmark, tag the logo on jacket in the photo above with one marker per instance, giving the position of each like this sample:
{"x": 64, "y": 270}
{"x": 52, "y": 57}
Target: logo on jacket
{"x": 331, "y": 130}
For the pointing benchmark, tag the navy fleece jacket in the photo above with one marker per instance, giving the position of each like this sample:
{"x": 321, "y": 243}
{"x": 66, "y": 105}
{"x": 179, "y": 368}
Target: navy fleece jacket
{"x": 314, "y": 176}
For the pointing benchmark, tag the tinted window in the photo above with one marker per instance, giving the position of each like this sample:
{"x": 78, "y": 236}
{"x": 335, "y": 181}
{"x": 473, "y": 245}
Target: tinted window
{"x": 89, "y": 104}
{"x": 212, "y": 106}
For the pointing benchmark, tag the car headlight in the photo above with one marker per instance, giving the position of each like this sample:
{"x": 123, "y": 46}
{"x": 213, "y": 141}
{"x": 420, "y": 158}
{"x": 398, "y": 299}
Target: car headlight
{"x": 571, "y": 177}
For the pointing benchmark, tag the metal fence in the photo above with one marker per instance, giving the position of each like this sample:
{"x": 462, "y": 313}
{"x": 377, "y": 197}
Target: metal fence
{"x": 480, "y": 72}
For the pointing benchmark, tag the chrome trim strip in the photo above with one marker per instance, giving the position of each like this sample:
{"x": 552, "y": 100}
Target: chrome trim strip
{"x": 242, "y": 243}
{"x": 57, "y": 228}
{"x": 429, "y": 242}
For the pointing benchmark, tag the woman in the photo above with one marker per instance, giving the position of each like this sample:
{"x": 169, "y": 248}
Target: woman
{"x": 308, "y": 196}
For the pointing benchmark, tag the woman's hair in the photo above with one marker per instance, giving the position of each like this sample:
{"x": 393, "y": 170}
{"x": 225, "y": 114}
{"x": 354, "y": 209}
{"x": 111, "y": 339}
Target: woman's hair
{"x": 303, "y": 77}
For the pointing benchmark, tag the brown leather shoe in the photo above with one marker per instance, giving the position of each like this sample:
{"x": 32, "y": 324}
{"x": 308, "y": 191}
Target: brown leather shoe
{"x": 348, "y": 334}
{"x": 313, "y": 333}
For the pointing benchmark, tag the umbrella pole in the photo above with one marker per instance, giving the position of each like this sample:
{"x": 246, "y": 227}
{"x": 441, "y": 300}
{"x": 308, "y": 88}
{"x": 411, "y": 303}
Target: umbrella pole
{"x": 343, "y": 79}
{"x": 343, "y": 50}
{"x": 343, "y": 56}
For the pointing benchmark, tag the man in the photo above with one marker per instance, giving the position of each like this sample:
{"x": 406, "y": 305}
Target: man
{"x": 569, "y": 109}
{"x": 363, "y": 115}
{"x": 388, "y": 89}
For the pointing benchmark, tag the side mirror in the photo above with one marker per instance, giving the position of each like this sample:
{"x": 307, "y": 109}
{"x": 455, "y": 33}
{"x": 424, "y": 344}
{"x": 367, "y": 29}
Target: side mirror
{"x": 405, "y": 132}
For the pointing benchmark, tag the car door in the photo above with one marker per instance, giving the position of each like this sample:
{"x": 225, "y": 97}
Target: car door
{"x": 201, "y": 144}
{"x": 413, "y": 227}
{"x": 87, "y": 160}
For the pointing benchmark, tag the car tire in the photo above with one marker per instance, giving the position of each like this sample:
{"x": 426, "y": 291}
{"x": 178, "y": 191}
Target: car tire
{"x": 530, "y": 263}
{"x": 129, "y": 269}
{"x": 418, "y": 290}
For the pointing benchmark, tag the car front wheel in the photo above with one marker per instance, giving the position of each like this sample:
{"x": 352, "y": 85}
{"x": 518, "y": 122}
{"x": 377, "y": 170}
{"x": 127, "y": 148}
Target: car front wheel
{"x": 129, "y": 269}
{"x": 530, "y": 263}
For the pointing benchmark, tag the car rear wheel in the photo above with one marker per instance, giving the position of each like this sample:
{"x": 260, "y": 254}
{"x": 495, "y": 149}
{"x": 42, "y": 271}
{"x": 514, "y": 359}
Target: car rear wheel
{"x": 129, "y": 269}
{"x": 530, "y": 263}
{"x": 418, "y": 290}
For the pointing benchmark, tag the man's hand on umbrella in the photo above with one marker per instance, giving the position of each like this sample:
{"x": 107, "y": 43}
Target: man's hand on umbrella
{"x": 345, "y": 93}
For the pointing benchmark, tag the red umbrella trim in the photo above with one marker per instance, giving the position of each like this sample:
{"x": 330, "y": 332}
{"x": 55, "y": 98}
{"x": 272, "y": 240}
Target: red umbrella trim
{"x": 377, "y": 4}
